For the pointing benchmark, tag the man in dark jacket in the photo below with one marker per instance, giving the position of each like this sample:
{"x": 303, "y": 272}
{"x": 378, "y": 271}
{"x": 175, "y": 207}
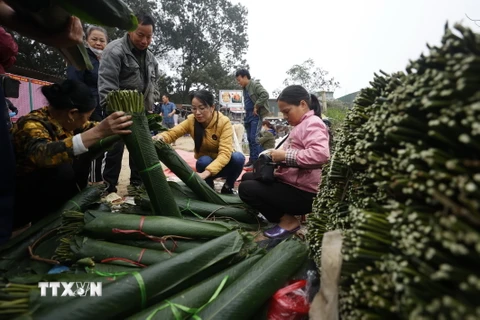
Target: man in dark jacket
{"x": 256, "y": 108}
{"x": 128, "y": 64}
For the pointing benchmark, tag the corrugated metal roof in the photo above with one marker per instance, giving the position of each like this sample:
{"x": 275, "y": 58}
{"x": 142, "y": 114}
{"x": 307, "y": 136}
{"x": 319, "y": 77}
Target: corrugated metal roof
{"x": 31, "y": 73}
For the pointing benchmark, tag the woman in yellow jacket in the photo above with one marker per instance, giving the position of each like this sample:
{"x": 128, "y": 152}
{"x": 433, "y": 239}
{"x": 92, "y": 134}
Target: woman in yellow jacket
{"x": 213, "y": 136}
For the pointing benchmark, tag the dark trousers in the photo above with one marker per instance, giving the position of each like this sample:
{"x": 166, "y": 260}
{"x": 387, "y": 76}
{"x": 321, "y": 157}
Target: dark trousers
{"x": 7, "y": 175}
{"x": 276, "y": 199}
{"x": 230, "y": 172}
{"x": 113, "y": 166}
{"x": 96, "y": 167}
{"x": 253, "y": 126}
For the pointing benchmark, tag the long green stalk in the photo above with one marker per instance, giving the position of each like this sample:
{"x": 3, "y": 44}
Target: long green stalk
{"x": 182, "y": 170}
{"x": 142, "y": 151}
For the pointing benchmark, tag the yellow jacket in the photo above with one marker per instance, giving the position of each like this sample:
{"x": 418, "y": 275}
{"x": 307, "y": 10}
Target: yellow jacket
{"x": 217, "y": 142}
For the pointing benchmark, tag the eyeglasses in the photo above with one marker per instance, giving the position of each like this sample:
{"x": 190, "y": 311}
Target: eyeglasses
{"x": 200, "y": 108}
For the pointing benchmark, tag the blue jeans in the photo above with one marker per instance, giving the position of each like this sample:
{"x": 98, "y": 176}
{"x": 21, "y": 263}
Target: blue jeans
{"x": 253, "y": 126}
{"x": 230, "y": 172}
{"x": 168, "y": 125}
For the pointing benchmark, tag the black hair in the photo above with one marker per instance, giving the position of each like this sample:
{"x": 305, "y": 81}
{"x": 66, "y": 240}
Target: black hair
{"x": 166, "y": 95}
{"x": 295, "y": 94}
{"x": 70, "y": 94}
{"x": 146, "y": 20}
{"x": 243, "y": 73}
{"x": 207, "y": 99}
{"x": 267, "y": 123}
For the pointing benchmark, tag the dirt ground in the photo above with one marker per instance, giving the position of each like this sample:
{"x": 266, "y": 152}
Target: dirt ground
{"x": 183, "y": 143}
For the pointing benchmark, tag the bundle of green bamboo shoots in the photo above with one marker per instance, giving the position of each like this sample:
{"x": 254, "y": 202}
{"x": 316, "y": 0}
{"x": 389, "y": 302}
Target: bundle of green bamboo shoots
{"x": 140, "y": 146}
{"x": 403, "y": 185}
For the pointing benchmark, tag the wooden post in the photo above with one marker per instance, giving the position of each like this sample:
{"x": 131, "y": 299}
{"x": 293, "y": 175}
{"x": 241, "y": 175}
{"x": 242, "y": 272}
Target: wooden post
{"x": 324, "y": 101}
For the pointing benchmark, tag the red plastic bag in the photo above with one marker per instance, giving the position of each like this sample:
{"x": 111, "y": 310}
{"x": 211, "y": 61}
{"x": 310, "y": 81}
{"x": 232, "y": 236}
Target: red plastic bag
{"x": 289, "y": 303}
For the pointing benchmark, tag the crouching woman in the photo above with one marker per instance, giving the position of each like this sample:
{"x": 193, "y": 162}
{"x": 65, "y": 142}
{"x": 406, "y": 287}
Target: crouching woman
{"x": 47, "y": 144}
{"x": 213, "y": 137}
{"x": 302, "y": 156}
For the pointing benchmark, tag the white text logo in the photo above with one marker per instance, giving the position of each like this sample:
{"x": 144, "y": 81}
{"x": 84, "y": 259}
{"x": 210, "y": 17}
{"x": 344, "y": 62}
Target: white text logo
{"x": 70, "y": 289}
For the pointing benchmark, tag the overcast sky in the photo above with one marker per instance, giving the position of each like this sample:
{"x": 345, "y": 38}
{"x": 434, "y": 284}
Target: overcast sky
{"x": 350, "y": 39}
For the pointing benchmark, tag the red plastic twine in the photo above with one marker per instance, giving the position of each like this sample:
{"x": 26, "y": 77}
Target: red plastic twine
{"x": 162, "y": 240}
{"x": 139, "y": 230}
{"x": 141, "y": 255}
{"x": 142, "y": 220}
{"x": 125, "y": 260}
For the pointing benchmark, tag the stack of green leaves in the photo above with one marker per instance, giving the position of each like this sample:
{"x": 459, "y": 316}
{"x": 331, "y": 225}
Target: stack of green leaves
{"x": 118, "y": 226}
{"x": 202, "y": 209}
{"x": 192, "y": 300}
{"x": 249, "y": 292}
{"x": 142, "y": 151}
{"x": 172, "y": 244}
{"x": 133, "y": 292}
{"x": 98, "y": 250}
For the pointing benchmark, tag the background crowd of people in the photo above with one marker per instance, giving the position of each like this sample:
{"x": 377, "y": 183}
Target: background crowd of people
{"x": 49, "y": 142}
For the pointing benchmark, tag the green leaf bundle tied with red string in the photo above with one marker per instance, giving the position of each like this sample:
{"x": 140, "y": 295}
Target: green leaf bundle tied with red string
{"x": 139, "y": 144}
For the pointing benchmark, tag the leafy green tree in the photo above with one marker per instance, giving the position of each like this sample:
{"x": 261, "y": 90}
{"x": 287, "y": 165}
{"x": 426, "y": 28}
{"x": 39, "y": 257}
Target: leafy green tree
{"x": 210, "y": 38}
{"x": 201, "y": 43}
{"x": 311, "y": 77}
{"x": 38, "y": 56}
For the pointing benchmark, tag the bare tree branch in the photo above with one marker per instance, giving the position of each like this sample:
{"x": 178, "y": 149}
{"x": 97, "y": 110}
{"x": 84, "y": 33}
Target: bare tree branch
{"x": 476, "y": 21}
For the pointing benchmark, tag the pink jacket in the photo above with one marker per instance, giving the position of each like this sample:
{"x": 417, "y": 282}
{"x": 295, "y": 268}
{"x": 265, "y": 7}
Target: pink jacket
{"x": 307, "y": 150}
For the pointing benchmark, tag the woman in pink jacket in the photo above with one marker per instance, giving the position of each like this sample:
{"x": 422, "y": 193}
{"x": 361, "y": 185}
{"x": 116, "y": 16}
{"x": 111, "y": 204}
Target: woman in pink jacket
{"x": 302, "y": 156}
